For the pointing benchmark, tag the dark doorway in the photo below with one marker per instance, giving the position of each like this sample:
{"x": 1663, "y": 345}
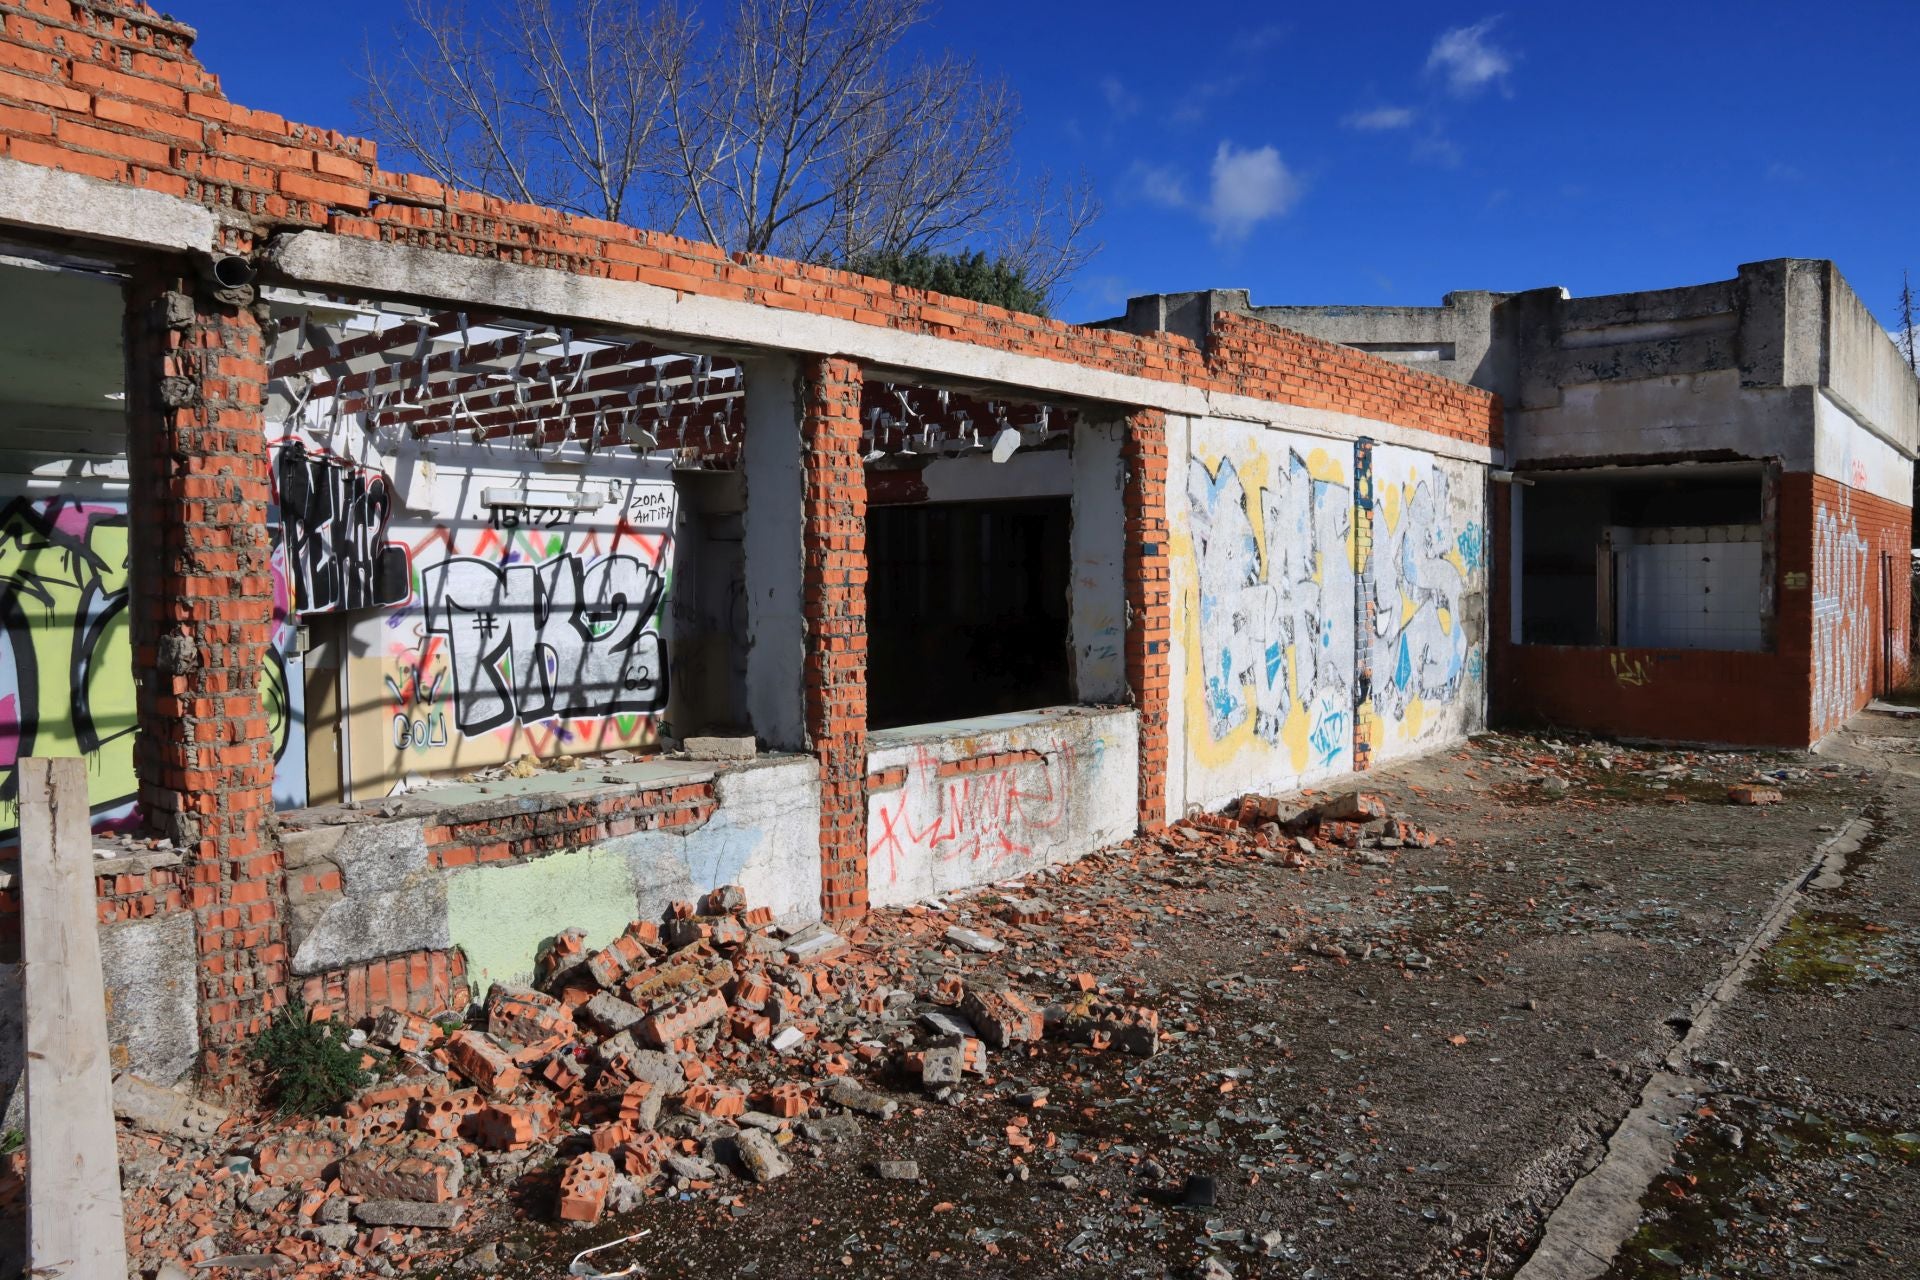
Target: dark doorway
{"x": 966, "y": 609}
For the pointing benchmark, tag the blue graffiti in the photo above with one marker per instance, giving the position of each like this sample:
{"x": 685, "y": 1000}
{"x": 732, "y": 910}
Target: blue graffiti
{"x": 1331, "y": 736}
{"x": 1472, "y": 544}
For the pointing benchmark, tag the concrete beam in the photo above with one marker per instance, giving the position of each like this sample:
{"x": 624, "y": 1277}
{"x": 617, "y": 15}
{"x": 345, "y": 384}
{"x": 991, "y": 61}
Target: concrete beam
{"x": 318, "y": 259}
{"x": 49, "y": 200}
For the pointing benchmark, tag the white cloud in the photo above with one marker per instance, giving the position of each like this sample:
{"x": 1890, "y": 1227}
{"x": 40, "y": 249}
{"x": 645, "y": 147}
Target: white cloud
{"x": 1248, "y": 188}
{"x": 1201, "y": 96}
{"x": 1121, "y": 101}
{"x": 1159, "y": 184}
{"x": 1467, "y": 60}
{"x": 1380, "y": 118}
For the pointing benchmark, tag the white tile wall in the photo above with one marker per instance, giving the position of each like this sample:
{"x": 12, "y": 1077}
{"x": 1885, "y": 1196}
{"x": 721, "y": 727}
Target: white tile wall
{"x": 1693, "y": 588}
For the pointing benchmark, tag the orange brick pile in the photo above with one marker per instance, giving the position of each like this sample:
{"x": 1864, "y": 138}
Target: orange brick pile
{"x": 690, "y": 1053}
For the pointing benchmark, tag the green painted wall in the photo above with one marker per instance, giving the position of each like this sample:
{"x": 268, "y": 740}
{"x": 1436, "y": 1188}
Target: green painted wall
{"x": 499, "y": 916}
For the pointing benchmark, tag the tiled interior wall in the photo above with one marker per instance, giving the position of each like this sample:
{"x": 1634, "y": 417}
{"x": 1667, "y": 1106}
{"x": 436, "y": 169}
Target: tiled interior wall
{"x": 1691, "y": 588}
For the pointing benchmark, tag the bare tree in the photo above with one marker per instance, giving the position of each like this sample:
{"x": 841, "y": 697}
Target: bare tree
{"x": 794, "y": 127}
{"x": 1906, "y": 338}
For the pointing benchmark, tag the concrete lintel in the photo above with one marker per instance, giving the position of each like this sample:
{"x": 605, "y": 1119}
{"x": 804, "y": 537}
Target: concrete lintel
{"x": 1335, "y": 425}
{"x": 41, "y": 199}
{"x": 343, "y": 262}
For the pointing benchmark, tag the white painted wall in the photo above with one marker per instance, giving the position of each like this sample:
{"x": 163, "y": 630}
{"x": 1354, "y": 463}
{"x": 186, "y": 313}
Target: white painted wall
{"x": 1844, "y": 450}
{"x": 945, "y": 829}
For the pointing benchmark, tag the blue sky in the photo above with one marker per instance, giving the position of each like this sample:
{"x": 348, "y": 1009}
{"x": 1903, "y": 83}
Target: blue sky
{"x": 1390, "y": 152}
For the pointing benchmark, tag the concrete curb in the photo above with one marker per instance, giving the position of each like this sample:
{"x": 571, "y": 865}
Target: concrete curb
{"x": 1602, "y": 1209}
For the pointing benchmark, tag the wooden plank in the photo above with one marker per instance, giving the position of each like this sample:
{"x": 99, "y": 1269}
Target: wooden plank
{"x": 74, "y": 1224}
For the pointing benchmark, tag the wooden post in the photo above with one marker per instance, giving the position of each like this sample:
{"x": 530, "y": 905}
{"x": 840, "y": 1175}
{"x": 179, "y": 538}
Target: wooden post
{"x": 74, "y": 1224}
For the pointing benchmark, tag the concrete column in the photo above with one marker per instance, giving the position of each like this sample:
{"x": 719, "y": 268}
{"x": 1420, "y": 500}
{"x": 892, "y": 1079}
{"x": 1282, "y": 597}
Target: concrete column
{"x": 1149, "y": 598}
{"x": 834, "y": 600}
{"x": 776, "y": 624}
{"x": 1098, "y": 590}
{"x": 202, "y": 610}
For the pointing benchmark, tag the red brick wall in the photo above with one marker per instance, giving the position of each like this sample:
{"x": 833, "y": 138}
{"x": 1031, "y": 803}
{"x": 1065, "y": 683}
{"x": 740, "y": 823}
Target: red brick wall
{"x": 420, "y": 982}
{"x": 1143, "y": 454}
{"x": 834, "y": 604}
{"x": 1861, "y": 554}
{"x": 1751, "y": 699}
{"x": 201, "y": 610}
{"x": 113, "y": 92}
{"x": 569, "y": 825}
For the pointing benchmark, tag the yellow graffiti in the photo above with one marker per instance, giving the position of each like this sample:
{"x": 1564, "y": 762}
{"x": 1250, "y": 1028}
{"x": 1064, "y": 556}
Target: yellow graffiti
{"x": 1254, "y": 467}
{"x": 1628, "y": 671}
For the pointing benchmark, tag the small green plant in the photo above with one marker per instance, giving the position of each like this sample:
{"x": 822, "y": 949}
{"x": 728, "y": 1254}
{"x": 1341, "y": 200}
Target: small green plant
{"x": 309, "y": 1065}
{"x": 11, "y": 1141}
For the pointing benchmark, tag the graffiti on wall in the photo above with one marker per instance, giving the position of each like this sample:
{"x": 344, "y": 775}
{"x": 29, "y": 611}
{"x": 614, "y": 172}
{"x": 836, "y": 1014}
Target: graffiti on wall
{"x": 66, "y": 657}
{"x": 1427, "y": 557}
{"x": 1273, "y": 571}
{"x": 334, "y": 518}
{"x": 66, "y": 653}
{"x": 1842, "y": 640}
{"x": 542, "y": 636}
{"x": 569, "y": 637}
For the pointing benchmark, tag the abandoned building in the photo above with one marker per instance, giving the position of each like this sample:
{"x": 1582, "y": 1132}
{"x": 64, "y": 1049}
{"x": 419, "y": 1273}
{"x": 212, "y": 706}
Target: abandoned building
{"x": 332, "y": 496}
{"x": 1702, "y": 518}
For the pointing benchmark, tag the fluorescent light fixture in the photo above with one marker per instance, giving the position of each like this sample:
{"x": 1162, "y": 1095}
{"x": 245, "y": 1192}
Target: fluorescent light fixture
{"x": 521, "y": 498}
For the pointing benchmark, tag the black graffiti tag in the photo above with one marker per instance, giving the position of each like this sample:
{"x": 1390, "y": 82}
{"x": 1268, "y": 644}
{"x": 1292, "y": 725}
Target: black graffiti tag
{"x": 566, "y": 637}
{"x": 335, "y": 517}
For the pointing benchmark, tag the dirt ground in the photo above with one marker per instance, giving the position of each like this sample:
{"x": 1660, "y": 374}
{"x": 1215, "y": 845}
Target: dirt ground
{"x": 1384, "y": 1070}
{"x": 1375, "y": 1063}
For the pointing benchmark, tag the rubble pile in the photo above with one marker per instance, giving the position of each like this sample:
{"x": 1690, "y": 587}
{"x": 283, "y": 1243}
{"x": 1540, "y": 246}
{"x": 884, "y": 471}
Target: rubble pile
{"x": 694, "y": 1055}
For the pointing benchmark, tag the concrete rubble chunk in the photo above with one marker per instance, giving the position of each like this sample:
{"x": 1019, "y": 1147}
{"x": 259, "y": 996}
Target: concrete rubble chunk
{"x": 409, "y": 1213}
{"x": 164, "y": 1112}
{"x": 973, "y": 940}
{"x": 898, "y": 1170}
{"x": 760, "y": 1155}
{"x": 717, "y": 747}
{"x": 610, "y": 1013}
{"x": 943, "y": 1023}
{"x": 845, "y": 1093}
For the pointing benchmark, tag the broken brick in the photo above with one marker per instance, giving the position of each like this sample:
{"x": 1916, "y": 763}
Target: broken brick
{"x": 529, "y": 1017}
{"x": 584, "y": 1187}
{"x": 483, "y": 1062}
{"x": 682, "y": 1017}
{"x": 414, "y": 1167}
{"x": 1002, "y": 1017}
{"x": 296, "y": 1159}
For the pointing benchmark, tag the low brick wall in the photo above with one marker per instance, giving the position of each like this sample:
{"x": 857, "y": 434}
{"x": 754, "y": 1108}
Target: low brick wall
{"x": 444, "y": 870}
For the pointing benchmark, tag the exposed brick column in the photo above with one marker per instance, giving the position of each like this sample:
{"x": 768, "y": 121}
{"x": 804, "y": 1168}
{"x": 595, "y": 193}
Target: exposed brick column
{"x": 202, "y": 602}
{"x": 834, "y": 585}
{"x": 1143, "y": 454}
